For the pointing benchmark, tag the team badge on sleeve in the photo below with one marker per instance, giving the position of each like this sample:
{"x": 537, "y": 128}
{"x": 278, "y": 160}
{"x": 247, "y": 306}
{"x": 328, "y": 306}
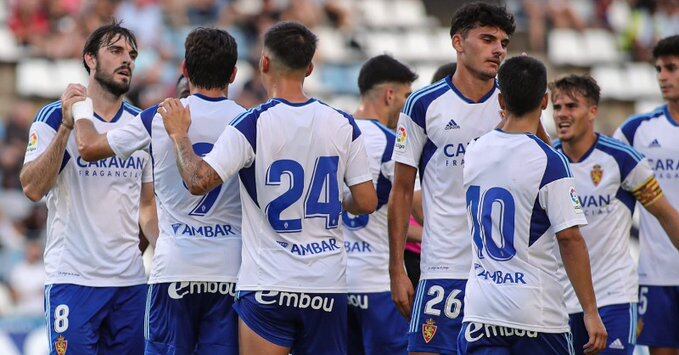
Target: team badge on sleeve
{"x": 596, "y": 174}
{"x": 428, "y": 330}
{"x": 61, "y": 345}
{"x": 32, "y": 142}
{"x": 401, "y": 138}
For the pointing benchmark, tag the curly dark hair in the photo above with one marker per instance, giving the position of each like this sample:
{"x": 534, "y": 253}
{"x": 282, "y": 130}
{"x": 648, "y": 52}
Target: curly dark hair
{"x": 479, "y": 14}
{"x": 584, "y": 85}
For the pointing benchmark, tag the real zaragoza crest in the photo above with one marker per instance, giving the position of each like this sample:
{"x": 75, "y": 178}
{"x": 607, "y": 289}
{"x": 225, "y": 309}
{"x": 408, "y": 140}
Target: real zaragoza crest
{"x": 60, "y": 345}
{"x": 596, "y": 174}
{"x": 429, "y": 330}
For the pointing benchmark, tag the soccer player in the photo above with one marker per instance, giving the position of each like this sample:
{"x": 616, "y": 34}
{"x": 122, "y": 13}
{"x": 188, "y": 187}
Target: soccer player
{"x": 610, "y": 177}
{"x": 375, "y": 325}
{"x": 656, "y": 136}
{"x": 519, "y": 194}
{"x": 292, "y": 156}
{"x": 197, "y": 257}
{"x": 96, "y": 287}
{"x": 434, "y": 128}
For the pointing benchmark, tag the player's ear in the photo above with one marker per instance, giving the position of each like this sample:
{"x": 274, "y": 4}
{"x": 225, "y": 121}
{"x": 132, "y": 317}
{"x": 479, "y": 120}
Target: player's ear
{"x": 264, "y": 64}
{"x": 309, "y": 70}
{"x": 91, "y": 61}
{"x": 545, "y": 101}
{"x": 185, "y": 72}
{"x": 501, "y": 100}
{"x": 594, "y": 111}
{"x": 233, "y": 75}
{"x": 457, "y": 42}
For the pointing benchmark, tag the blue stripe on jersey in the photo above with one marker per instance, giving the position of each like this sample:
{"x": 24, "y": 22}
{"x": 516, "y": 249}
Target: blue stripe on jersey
{"x": 427, "y": 152}
{"x": 539, "y": 222}
{"x": 418, "y": 102}
{"x": 47, "y": 110}
{"x": 247, "y": 177}
{"x": 557, "y": 164}
{"x": 115, "y": 118}
{"x": 356, "y": 131}
{"x": 626, "y": 159}
{"x": 51, "y": 115}
{"x": 147, "y": 118}
{"x": 246, "y": 123}
{"x": 627, "y": 199}
{"x": 669, "y": 117}
{"x": 383, "y": 184}
{"x": 65, "y": 160}
{"x": 134, "y": 110}
{"x": 449, "y": 81}
{"x": 629, "y": 128}
{"x": 621, "y": 145}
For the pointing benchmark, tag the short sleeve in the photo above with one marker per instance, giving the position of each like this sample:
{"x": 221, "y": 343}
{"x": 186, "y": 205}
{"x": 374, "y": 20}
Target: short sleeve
{"x": 129, "y": 138}
{"x": 231, "y": 152}
{"x": 619, "y": 135}
{"x": 410, "y": 140}
{"x": 357, "y": 170}
{"x": 40, "y": 136}
{"x": 560, "y": 201}
{"x": 638, "y": 176}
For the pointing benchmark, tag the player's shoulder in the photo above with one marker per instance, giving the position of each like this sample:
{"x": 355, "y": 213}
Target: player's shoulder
{"x": 556, "y": 166}
{"x": 344, "y": 117}
{"x": 622, "y": 153}
{"x": 131, "y": 109}
{"x": 50, "y": 115}
{"x": 631, "y": 125}
{"x": 418, "y": 102}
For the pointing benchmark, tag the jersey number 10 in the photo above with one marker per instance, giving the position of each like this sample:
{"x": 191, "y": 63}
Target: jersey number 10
{"x": 322, "y": 199}
{"x": 480, "y": 208}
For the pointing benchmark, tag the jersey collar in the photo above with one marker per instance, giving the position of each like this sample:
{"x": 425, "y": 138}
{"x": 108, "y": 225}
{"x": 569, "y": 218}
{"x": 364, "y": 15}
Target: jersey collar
{"x": 449, "y": 80}
{"x": 115, "y": 118}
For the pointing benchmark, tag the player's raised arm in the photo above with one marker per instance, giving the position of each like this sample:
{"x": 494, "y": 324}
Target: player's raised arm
{"x": 576, "y": 262}
{"x": 39, "y": 175}
{"x": 402, "y": 291}
{"x": 92, "y": 145}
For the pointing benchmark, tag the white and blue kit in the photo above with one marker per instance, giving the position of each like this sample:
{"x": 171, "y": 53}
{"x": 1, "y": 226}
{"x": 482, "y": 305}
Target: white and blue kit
{"x": 519, "y": 193}
{"x": 197, "y": 255}
{"x": 95, "y": 287}
{"x": 292, "y": 160}
{"x": 434, "y": 129}
{"x": 655, "y": 136}
{"x": 606, "y": 177}
{"x": 375, "y": 325}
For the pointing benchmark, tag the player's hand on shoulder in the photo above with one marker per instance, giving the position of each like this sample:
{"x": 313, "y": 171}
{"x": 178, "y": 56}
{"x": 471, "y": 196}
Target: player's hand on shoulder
{"x": 402, "y": 293}
{"x": 598, "y": 336}
{"x": 176, "y": 117}
{"x": 72, "y": 94}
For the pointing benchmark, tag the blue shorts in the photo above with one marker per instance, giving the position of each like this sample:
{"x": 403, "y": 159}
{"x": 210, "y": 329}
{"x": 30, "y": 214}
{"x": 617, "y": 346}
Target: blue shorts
{"x": 191, "y": 318}
{"x": 483, "y": 339}
{"x": 95, "y": 320}
{"x": 306, "y": 323}
{"x": 437, "y": 316}
{"x": 620, "y": 321}
{"x": 658, "y": 316}
{"x": 375, "y": 326}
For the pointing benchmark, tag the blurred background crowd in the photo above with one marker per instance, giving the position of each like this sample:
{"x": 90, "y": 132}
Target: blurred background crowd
{"x": 41, "y": 43}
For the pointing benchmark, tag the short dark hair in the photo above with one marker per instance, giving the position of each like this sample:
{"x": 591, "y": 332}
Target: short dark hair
{"x": 444, "y": 71}
{"x": 668, "y": 46}
{"x": 210, "y": 57}
{"x": 292, "y": 44}
{"x": 584, "y": 85}
{"x": 523, "y": 84}
{"x": 104, "y": 36}
{"x": 383, "y": 69}
{"x": 479, "y": 14}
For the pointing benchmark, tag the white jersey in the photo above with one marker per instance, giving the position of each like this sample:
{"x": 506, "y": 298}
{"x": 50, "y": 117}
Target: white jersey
{"x": 93, "y": 208}
{"x": 433, "y": 131}
{"x": 366, "y": 237}
{"x": 200, "y": 236}
{"x": 656, "y": 136}
{"x": 292, "y": 160}
{"x": 519, "y": 193}
{"x": 605, "y": 178}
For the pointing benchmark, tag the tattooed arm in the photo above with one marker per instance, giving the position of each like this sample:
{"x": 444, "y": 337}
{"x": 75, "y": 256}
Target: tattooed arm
{"x": 199, "y": 177}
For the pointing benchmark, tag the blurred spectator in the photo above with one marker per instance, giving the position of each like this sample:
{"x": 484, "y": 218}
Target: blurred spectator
{"x": 27, "y": 282}
{"x": 560, "y": 13}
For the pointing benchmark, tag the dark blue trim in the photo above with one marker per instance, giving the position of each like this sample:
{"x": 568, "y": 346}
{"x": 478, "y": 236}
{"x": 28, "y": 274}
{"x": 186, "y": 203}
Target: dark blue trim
{"x": 64, "y": 161}
{"x": 147, "y": 118}
{"x": 133, "y": 110}
{"x": 629, "y": 128}
{"x": 673, "y": 121}
{"x": 539, "y": 222}
{"x": 589, "y": 151}
{"x": 115, "y": 118}
{"x": 557, "y": 164}
{"x": 417, "y": 104}
{"x": 246, "y": 123}
{"x": 391, "y": 139}
{"x": 208, "y": 98}
{"x": 383, "y": 184}
{"x": 295, "y": 104}
{"x": 427, "y": 152}
{"x": 383, "y": 190}
{"x": 624, "y": 157}
{"x": 247, "y": 178}
{"x": 627, "y": 199}
{"x": 449, "y": 81}
{"x": 53, "y": 118}
{"x": 356, "y": 131}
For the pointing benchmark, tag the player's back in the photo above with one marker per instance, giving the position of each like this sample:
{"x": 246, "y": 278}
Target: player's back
{"x": 291, "y": 195}
{"x": 514, "y": 279}
{"x": 367, "y": 242}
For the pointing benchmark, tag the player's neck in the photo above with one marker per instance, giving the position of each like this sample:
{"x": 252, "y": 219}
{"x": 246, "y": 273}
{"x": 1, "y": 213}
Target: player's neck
{"x": 471, "y": 86}
{"x": 212, "y": 93}
{"x": 105, "y": 104}
{"x": 576, "y": 148}
{"x": 673, "y": 107}
{"x": 527, "y": 123}
{"x": 369, "y": 110}
{"x": 287, "y": 88}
